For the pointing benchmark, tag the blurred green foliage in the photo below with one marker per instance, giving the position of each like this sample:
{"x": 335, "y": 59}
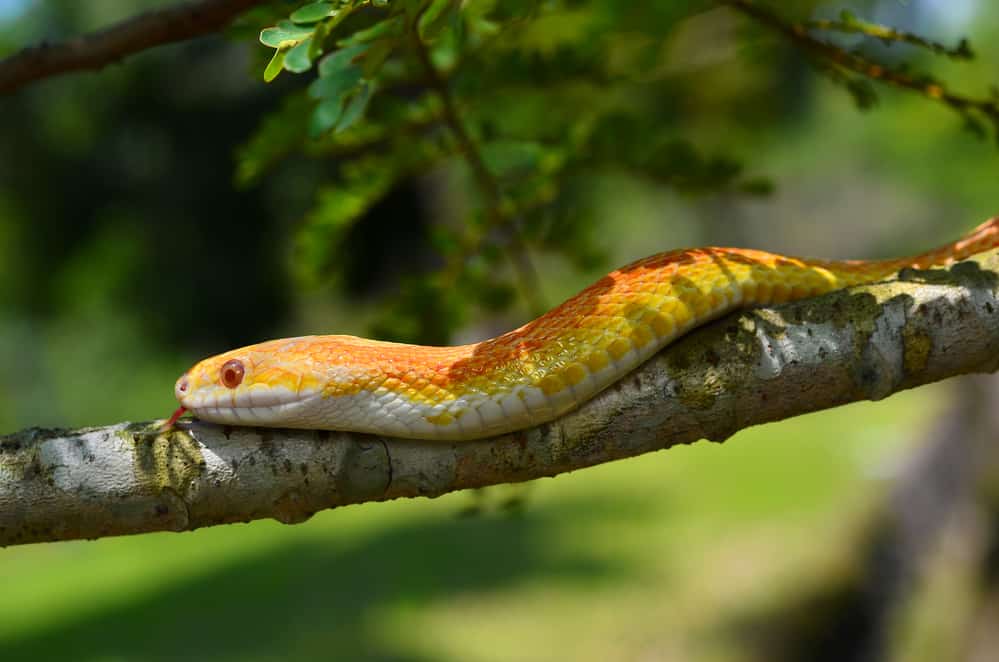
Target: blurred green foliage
{"x": 402, "y": 85}
{"x": 524, "y": 105}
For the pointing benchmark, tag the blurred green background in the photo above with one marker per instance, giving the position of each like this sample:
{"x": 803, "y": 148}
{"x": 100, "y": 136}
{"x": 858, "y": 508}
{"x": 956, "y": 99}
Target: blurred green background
{"x": 126, "y": 254}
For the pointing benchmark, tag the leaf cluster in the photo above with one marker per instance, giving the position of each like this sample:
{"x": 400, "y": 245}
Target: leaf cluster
{"x": 509, "y": 110}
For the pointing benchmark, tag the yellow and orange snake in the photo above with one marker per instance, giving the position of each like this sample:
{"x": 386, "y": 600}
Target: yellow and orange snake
{"x": 530, "y": 375}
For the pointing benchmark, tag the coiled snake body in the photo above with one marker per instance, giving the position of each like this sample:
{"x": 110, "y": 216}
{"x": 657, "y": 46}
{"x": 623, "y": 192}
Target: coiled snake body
{"x": 530, "y": 375}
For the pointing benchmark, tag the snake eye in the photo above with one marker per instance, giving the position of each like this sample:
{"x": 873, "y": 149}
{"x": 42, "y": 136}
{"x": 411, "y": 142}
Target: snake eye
{"x": 231, "y": 374}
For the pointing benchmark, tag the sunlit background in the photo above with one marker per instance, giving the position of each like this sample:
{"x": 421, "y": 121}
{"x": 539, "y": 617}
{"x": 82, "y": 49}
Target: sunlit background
{"x": 126, "y": 254}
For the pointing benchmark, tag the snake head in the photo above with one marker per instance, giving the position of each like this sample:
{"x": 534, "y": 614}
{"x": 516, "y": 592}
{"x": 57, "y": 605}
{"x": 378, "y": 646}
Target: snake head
{"x": 261, "y": 384}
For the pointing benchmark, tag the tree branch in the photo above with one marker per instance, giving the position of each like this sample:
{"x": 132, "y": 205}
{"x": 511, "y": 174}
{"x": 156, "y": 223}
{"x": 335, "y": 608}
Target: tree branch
{"x": 841, "y": 59}
{"x": 749, "y": 368}
{"x": 138, "y": 33}
{"x": 886, "y": 34}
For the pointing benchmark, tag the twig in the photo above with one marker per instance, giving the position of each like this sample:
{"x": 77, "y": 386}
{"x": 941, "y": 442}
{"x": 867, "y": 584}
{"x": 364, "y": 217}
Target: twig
{"x": 798, "y": 35}
{"x": 497, "y": 215}
{"x": 133, "y": 35}
{"x": 888, "y": 34}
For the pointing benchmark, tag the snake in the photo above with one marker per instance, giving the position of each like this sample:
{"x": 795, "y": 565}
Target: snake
{"x": 530, "y": 375}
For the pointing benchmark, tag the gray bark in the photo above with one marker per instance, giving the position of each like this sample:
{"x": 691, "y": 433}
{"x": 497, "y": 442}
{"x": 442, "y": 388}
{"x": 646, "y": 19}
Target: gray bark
{"x": 749, "y": 368}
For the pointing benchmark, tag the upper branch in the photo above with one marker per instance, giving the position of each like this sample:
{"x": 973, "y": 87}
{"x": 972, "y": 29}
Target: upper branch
{"x": 97, "y": 49}
{"x": 749, "y": 368}
{"x": 798, "y": 34}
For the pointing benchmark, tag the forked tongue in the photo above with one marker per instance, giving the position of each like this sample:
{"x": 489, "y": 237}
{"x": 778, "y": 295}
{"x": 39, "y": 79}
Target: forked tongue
{"x": 173, "y": 418}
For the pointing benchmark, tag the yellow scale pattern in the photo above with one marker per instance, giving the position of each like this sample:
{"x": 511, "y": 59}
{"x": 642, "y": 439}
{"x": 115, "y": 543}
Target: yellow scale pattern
{"x": 531, "y": 374}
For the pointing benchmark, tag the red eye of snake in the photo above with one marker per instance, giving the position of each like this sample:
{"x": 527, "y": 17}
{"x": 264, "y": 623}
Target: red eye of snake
{"x": 231, "y": 374}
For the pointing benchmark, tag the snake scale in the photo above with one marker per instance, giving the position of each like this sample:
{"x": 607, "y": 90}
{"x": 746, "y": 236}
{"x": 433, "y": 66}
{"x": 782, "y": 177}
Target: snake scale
{"x": 527, "y": 376}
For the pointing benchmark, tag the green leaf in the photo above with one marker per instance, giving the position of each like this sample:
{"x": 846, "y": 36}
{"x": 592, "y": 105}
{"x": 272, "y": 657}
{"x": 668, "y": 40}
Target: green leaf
{"x": 337, "y": 17}
{"x": 390, "y": 27}
{"x": 444, "y": 240}
{"x": 425, "y": 310}
{"x": 375, "y": 57}
{"x": 435, "y": 18}
{"x": 285, "y": 35}
{"x": 275, "y": 65}
{"x": 864, "y": 94}
{"x": 312, "y": 13}
{"x": 337, "y": 208}
{"x": 761, "y": 186}
{"x": 340, "y": 59}
{"x": 298, "y": 61}
{"x": 335, "y": 85}
{"x": 355, "y": 108}
{"x": 325, "y": 116}
{"x": 279, "y": 133}
{"x": 458, "y": 32}
{"x": 976, "y": 127}
{"x": 318, "y": 44}
{"x": 507, "y": 156}
{"x": 291, "y": 28}
{"x": 496, "y": 297}
{"x": 963, "y": 50}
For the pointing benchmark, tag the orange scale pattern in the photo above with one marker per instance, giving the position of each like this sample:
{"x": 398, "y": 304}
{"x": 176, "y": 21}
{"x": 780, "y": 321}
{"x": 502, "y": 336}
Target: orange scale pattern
{"x": 549, "y": 365}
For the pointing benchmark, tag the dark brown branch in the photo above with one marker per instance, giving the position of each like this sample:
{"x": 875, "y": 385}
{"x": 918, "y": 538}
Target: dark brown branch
{"x": 138, "y": 33}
